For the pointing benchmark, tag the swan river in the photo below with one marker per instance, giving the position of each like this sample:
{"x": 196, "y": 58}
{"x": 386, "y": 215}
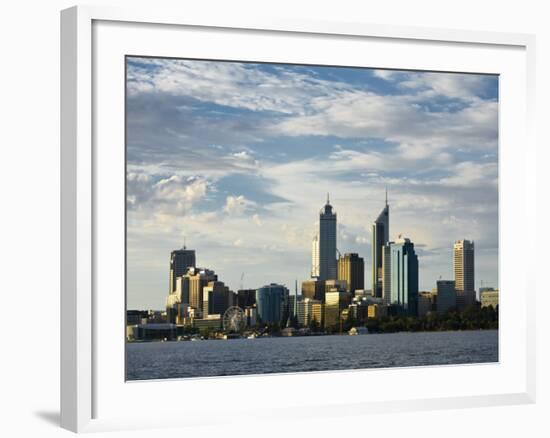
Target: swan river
{"x": 163, "y": 360}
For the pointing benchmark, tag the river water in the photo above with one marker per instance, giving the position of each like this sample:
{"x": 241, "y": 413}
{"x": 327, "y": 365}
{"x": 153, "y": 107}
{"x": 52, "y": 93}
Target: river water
{"x": 161, "y": 360}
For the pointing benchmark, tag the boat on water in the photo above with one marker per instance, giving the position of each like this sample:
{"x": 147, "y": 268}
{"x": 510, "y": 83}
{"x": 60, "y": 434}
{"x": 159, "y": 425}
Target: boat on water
{"x": 354, "y": 331}
{"x": 251, "y": 336}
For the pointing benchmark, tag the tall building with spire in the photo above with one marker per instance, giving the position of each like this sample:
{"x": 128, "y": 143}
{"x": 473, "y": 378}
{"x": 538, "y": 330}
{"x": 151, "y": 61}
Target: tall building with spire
{"x": 324, "y": 263}
{"x": 380, "y": 237}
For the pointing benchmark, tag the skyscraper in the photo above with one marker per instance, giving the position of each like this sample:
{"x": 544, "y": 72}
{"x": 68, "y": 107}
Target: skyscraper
{"x": 404, "y": 276}
{"x": 327, "y": 243}
{"x": 180, "y": 260}
{"x": 380, "y": 236}
{"x": 198, "y": 279}
{"x": 315, "y": 267}
{"x": 313, "y": 289}
{"x": 463, "y": 258}
{"x": 216, "y": 298}
{"x": 351, "y": 268}
{"x": 386, "y": 270}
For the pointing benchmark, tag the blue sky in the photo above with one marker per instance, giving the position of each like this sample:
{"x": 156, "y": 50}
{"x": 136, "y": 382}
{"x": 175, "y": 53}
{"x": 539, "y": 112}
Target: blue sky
{"x": 237, "y": 158}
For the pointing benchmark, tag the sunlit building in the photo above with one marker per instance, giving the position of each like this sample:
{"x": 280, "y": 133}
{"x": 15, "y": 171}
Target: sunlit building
{"x": 315, "y": 261}
{"x": 304, "y": 311}
{"x": 341, "y": 285}
{"x": 488, "y": 297}
{"x": 318, "y": 312}
{"x": 198, "y": 279}
{"x": 463, "y": 260}
{"x": 351, "y": 268}
{"x": 377, "y": 310}
{"x": 335, "y": 302}
{"x": 314, "y": 289}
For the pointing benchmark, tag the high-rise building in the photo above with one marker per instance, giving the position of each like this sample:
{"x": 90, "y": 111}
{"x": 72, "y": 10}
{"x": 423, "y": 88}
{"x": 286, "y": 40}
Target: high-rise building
{"x": 313, "y": 289}
{"x": 351, "y": 268}
{"x": 315, "y": 262}
{"x": 463, "y": 258}
{"x": 318, "y": 312}
{"x": 182, "y": 289}
{"x": 216, "y": 298}
{"x": 380, "y": 237}
{"x": 271, "y": 303}
{"x": 198, "y": 279}
{"x": 446, "y": 296}
{"x": 386, "y": 271}
{"x": 180, "y": 261}
{"x": 326, "y": 245}
{"x": 404, "y": 276}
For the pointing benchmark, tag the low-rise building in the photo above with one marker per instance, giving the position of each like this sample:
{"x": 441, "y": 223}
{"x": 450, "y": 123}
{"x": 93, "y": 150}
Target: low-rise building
{"x": 425, "y": 303}
{"x": 212, "y": 323}
{"x": 446, "y": 296}
{"x": 489, "y": 297}
{"x": 151, "y": 332}
{"x": 335, "y": 302}
{"x": 377, "y": 310}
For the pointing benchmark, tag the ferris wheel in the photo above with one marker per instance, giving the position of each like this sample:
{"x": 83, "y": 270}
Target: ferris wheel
{"x": 233, "y": 319}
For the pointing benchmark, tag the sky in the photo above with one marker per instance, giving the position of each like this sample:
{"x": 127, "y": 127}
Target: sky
{"x": 236, "y": 160}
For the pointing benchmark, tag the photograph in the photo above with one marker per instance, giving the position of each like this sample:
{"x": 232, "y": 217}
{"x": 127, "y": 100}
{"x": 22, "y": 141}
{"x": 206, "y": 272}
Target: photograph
{"x": 291, "y": 218}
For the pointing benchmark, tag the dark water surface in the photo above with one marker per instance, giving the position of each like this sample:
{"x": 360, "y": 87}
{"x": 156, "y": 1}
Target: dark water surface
{"x": 161, "y": 360}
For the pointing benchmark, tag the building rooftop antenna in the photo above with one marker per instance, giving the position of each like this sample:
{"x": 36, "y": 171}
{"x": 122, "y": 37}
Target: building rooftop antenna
{"x": 184, "y": 245}
{"x": 386, "y": 196}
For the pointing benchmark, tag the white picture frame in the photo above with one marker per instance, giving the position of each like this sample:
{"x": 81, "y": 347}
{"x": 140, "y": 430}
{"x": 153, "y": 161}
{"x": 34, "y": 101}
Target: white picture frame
{"x": 93, "y": 397}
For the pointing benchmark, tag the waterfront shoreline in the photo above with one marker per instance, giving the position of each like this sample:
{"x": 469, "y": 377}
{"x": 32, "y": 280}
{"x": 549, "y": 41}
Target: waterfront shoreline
{"x": 141, "y": 341}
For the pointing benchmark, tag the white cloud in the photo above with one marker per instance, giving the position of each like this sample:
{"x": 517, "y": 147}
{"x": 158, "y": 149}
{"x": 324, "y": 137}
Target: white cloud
{"x": 237, "y": 205}
{"x": 257, "y": 220}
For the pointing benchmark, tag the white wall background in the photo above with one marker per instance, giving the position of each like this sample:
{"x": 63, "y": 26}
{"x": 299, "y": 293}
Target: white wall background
{"x": 29, "y": 213}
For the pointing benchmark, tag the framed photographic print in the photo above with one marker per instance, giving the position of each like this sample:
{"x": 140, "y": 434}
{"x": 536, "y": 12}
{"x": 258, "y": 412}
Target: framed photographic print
{"x": 264, "y": 208}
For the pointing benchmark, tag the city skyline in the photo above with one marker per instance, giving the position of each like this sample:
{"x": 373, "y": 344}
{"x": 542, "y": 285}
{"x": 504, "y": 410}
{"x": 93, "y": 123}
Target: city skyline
{"x": 245, "y": 194}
